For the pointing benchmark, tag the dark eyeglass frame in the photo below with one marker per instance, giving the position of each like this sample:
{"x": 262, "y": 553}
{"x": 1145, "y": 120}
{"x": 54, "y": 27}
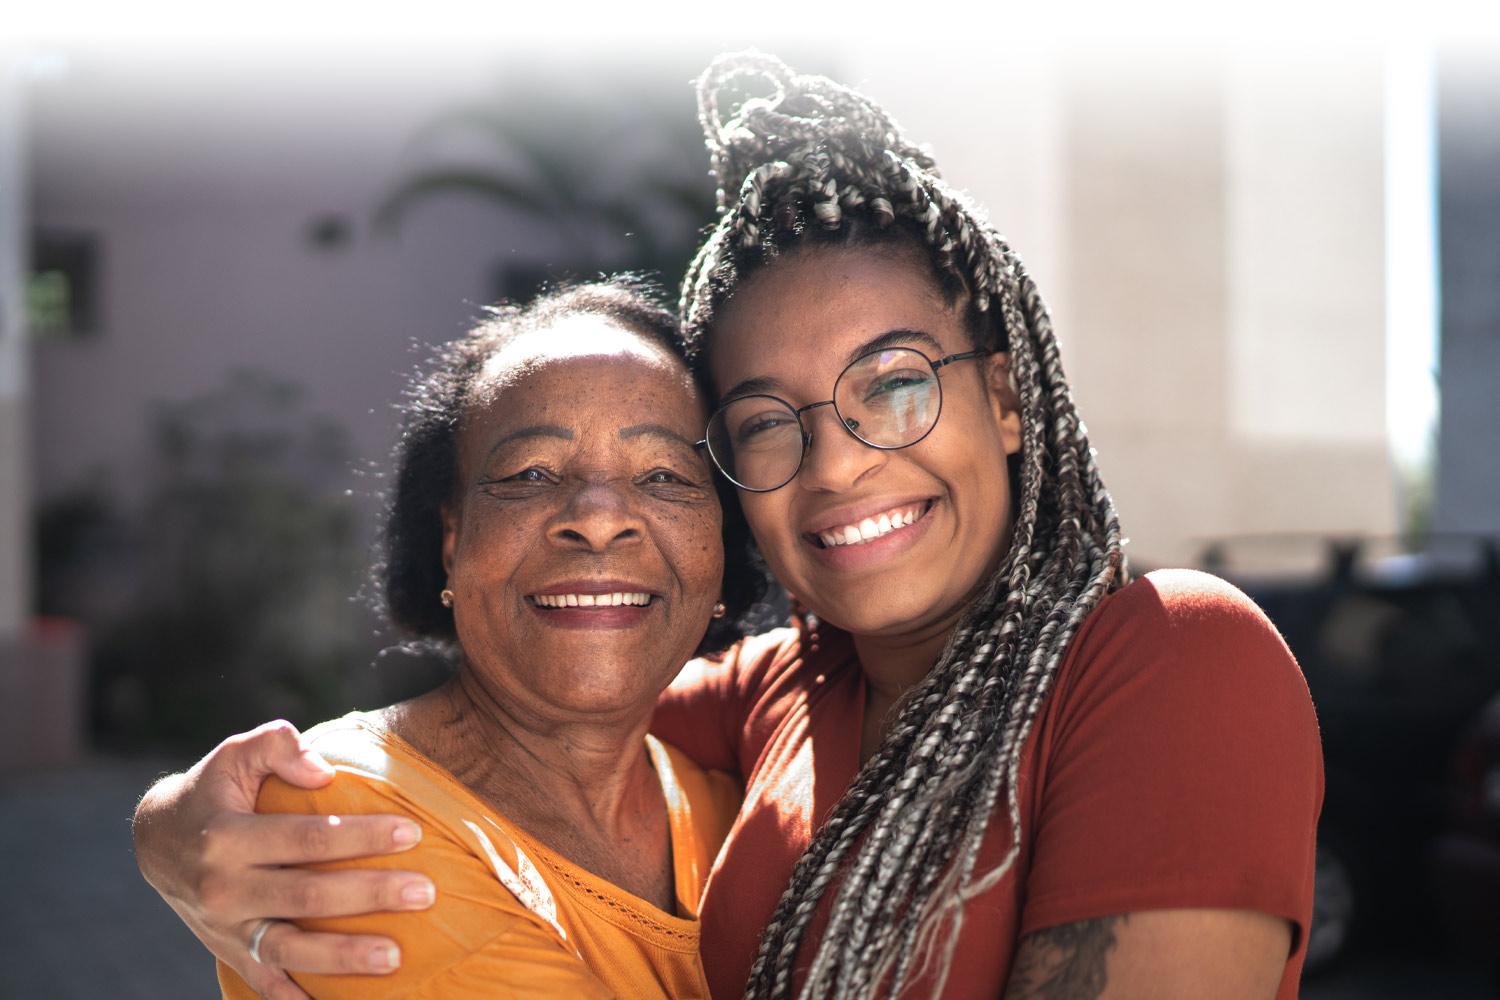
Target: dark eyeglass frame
{"x": 848, "y": 424}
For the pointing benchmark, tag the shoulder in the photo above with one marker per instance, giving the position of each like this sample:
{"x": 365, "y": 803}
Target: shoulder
{"x": 1178, "y": 763}
{"x": 711, "y": 797}
{"x": 375, "y": 771}
{"x": 758, "y": 671}
{"x": 745, "y": 665}
{"x": 1181, "y": 616}
{"x": 1187, "y": 643}
{"x": 354, "y": 741}
{"x": 1183, "y": 602}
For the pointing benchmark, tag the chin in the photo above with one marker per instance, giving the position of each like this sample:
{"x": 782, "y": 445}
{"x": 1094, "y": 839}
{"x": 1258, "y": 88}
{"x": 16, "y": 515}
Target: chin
{"x": 877, "y": 617}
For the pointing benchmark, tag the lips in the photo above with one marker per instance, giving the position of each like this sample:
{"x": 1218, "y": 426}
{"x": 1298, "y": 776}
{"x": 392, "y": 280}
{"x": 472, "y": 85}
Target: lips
{"x": 869, "y": 527}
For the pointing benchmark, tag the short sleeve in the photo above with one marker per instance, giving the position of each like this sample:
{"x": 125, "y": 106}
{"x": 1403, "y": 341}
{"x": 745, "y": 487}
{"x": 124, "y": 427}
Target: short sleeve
{"x": 477, "y": 940}
{"x": 704, "y": 711}
{"x": 1178, "y": 763}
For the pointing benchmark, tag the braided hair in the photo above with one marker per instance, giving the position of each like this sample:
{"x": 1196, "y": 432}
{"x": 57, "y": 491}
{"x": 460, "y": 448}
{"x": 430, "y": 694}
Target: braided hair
{"x": 815, "y": 162}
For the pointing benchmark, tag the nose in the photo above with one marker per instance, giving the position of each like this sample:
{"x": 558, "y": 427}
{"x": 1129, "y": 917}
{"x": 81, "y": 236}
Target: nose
{"x": 835, "y": 458}
{"x": 597, "y": 517}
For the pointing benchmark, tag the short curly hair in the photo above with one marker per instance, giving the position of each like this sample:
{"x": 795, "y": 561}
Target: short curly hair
{"x": 409, "y": 573}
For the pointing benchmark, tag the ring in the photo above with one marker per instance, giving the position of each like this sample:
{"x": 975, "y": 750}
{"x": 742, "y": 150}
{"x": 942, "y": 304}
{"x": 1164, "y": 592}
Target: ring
{"x": 255, "y": 939}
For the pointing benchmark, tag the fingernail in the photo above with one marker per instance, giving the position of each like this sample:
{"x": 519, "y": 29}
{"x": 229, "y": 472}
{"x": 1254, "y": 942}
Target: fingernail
{"x": 419, "y": 894}
{"x": 385, "y": 958}
{"x": 406, "y": 834}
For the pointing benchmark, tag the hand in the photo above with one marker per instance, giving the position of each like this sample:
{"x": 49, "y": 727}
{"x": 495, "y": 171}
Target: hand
{"x": 225, "y": 869}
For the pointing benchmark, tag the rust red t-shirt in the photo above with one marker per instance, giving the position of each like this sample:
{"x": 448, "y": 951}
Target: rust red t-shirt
{"x": 1175, "y": 764}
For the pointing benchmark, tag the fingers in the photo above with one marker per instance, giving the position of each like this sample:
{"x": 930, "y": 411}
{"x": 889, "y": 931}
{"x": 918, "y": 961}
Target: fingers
{"x": 234, "y": 839}
{"x": 271, "y": 983}
{"x": 284, "y": 989}
{"x": 287, "y": 947}
{"x": 293, "y": 893}
{"x": 276, "y": 748}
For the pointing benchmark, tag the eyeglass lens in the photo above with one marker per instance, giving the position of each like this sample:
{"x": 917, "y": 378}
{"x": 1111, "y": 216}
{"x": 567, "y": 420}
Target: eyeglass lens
{"x": 887, "y": 399}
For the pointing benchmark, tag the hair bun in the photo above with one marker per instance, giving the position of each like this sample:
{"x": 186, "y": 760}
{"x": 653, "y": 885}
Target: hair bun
{"x": 803, "y": 118}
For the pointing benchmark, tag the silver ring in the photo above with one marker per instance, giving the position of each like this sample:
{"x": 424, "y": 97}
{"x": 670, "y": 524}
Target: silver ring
{"x": 255, "y": 939}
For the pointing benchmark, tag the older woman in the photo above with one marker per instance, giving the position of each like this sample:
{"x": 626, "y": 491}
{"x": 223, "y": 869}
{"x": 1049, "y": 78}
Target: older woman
{"x": 985, "y": 762}
{"x": 553, "y": 517}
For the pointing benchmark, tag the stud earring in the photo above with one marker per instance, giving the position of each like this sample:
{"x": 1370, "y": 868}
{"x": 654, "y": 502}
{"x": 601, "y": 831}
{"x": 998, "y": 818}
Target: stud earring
{"x": 446, "y": 596}
{"x": 720, "y": 610}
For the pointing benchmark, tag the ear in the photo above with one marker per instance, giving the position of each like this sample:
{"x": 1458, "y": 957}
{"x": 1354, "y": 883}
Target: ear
{"x": 1005, "y": 402}
{"x": 450, "y": 536}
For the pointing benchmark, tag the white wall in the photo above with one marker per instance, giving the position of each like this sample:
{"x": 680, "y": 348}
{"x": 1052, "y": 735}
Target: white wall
{"x": 1206, "y": 226}
{"x": 199, "y": 182}
{"x": 15, "y": 527}
{"x": 1468, "y": 484}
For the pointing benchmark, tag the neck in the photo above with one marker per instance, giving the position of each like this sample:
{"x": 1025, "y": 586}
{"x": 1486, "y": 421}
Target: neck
{"x": 894, "y": 664}
{"x": 590, "y": 777}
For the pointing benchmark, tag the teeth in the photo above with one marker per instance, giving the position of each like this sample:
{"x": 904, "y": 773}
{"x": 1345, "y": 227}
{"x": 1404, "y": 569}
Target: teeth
{"x": 870, "y": 527}
{"x": 591, "y": 600}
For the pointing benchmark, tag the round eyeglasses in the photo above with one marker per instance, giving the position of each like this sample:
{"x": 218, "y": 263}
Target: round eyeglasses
{"x": 887, "y": 399}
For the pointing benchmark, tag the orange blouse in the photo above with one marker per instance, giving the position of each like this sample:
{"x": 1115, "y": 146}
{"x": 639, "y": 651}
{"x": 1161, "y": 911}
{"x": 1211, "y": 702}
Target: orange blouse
{"x": 512, "y": 918}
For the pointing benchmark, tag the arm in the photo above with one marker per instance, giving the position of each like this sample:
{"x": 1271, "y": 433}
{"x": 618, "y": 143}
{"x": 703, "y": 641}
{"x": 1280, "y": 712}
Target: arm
{"x": 1161, "y": 954}
{"x": 478, "y": 940}
{"x": 700, "y": 715}
{"x": 704, "y": 712}
{"x": 222, "y": 868}
{"x": 1182, "y": 779}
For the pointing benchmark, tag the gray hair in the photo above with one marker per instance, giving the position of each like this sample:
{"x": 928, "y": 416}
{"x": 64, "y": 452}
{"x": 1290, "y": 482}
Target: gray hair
{"x": 815, "y": 161}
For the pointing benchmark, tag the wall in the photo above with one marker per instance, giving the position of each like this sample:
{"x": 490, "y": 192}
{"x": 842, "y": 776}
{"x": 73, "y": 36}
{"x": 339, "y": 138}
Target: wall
{"x": 1206, "y": 226}
{"x": 15, "y": 569}
{"x": 1468, "y": 485}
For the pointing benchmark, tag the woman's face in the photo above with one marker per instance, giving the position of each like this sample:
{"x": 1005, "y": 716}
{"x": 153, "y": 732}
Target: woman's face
{"x": 792, "y": 327}
{"x": 583, "y": 546}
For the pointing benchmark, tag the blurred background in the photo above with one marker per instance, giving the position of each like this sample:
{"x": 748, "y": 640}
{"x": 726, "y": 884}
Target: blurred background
{"x": 1273, "y": 260}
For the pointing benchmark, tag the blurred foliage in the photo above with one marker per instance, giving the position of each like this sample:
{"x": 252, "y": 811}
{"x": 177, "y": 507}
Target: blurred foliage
{"x": 225, "y": 596}
{"x": 1417, "y": 495}
{"x": 616, "y": 169}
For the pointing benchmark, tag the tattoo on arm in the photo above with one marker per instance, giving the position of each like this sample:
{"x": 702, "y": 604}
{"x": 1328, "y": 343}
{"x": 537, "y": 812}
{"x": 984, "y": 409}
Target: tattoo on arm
{"x": 1064, "y": 963}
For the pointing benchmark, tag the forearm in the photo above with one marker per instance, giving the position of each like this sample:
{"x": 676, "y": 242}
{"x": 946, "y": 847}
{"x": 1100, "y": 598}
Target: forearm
{"x": 1156, "y": 954}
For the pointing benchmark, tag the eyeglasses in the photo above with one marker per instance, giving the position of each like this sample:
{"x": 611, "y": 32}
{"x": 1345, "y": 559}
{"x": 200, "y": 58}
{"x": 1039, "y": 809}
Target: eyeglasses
{"x": 887, "y": 399}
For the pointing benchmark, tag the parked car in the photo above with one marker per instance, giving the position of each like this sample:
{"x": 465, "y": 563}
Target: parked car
{"x": 1399, "y": 649}
{"x": 1465, "y": 861}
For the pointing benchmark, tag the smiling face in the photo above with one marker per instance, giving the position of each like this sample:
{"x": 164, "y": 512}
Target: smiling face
{"x": 881, "y": 543}
{"x": 584, "y": 545}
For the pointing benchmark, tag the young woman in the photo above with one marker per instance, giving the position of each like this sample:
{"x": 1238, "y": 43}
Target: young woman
{"x": 982, "y": 761}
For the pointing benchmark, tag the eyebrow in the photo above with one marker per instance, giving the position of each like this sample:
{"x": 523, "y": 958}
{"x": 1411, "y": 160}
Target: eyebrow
{"x": 901, "y": 337}
{"x": 534, "y": 431}
{"x": 655, "y": 430}
{"x": 894, "y": 338}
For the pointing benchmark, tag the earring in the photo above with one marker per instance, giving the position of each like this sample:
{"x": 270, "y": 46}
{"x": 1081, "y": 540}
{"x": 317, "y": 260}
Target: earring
{"x": 446, "y": 596}
{"x": 720, "y": 610}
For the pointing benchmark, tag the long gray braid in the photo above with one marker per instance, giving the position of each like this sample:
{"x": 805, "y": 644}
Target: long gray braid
{"x": 816, "y": 160}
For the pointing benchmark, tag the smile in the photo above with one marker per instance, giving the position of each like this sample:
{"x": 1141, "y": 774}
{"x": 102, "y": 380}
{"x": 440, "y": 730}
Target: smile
{"x": 612, "y": 600}
{"x": 868, "y": 529}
